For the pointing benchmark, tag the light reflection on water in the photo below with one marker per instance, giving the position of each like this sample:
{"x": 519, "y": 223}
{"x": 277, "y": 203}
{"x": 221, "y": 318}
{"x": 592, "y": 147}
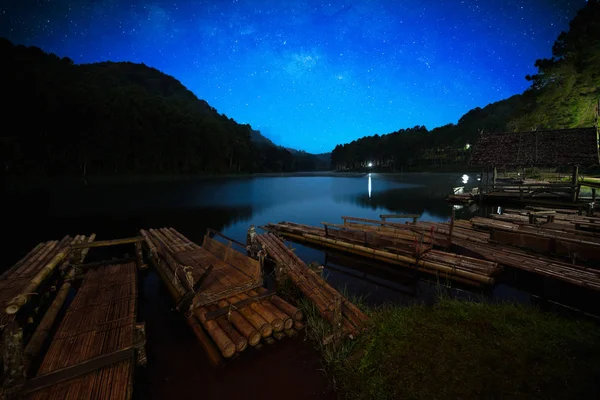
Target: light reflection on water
{"x": 369, "y": 186}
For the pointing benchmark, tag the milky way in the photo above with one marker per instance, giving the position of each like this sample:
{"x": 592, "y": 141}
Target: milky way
{"x": 312, "y": 74}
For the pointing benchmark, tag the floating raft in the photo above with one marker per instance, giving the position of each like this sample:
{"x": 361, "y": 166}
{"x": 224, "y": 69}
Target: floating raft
{"x": 332, "y": 305}
{"x": 37, "y": 266}
{"x": 412, "y": 250}
{"x": 92, "y": 353}
{"x": 219, "y": 290}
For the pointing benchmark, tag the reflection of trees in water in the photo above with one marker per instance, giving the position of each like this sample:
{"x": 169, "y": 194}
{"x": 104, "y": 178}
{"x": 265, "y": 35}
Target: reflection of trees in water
{"x": 428, "y": 197}
{"x": 413, "y": 201}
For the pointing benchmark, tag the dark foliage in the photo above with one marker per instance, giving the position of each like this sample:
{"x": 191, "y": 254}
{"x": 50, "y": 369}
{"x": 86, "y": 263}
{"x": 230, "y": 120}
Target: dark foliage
{"x": 563, "y": 94}
{"x": 118, "y": 118}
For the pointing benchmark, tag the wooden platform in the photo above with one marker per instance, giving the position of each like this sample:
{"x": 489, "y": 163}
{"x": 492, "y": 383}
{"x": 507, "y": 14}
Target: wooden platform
{"x": 213, "y": 271}
{"x": 404, "y": 245}
{"x": 567, "y": 249}
{"x": 91, "y": 355}
{"x": 219, "y": 291}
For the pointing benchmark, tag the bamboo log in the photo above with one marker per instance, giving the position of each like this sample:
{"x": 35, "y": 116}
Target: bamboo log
{"x": 237, "y": 338}
{"x": 212, "y": 352}
{"x": 105, "y": 243}
{"x": 242, "y": 325}
{"x": 287, "y": 320}
{"x": 223, "y": 342}
{"x": 264, "y": 312}
{"x": 255, "y": 319}
{"x": 41, "y": 333}
{"x": 20, "y": 300}
{"x": 284, "y": 306}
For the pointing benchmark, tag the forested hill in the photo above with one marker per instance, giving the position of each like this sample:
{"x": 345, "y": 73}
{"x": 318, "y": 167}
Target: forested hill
{"x": 564, "y": 94}
{"x": 59, "y": 118}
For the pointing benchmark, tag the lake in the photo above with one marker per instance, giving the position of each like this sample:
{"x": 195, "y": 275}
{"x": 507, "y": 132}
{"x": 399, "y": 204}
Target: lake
{"x": 119, "y": 208}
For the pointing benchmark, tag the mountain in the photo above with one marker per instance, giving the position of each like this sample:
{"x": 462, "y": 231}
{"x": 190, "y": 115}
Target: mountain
{"x": 114, "y": 118}
{"x": 564, "y": 94}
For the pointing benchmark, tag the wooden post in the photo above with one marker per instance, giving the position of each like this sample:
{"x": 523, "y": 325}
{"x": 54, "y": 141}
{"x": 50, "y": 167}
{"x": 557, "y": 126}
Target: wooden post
{"x": 452, "y": 216}
{"x": 574, "y": 180}
{"x": 594, "y": 195}
{"x": 494, "y": 176}
{"x": 139, "y": 256}
{"x": 481, "y": 183}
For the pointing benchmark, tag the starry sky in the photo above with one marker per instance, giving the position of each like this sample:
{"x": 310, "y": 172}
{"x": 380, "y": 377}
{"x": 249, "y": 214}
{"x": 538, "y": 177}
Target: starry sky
{"x": 312, "y": 74}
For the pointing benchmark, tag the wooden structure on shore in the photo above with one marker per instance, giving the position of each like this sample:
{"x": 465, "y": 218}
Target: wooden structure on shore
{"x": 564, "y": 147}
{"x": 219, "y": 290}
{"x": 345, "y": 317}
{"x": 91, "y": 349}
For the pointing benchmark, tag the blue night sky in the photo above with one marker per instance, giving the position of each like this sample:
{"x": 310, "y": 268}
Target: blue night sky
{"x": 312, "y": 74}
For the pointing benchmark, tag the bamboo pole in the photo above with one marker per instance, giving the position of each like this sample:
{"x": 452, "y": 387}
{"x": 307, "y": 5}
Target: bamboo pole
{"x": 212, "y": 352}
{"x": 20, "y": 300}
{"x": 255, "y": 319}
{"x": 242, "y": 324}
{"x": 284, "y": 306}
{"x": 41, "y": 333}
{"x": 223, "y": 342}
{"x": 241, "y": 343}
{"x": 287, "y": 321}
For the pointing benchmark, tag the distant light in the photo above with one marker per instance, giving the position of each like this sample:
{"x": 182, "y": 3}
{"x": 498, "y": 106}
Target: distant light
{"x": 370, "y": 164}
{"x": 465, "y": 178}
{"x": 467, "y": 146}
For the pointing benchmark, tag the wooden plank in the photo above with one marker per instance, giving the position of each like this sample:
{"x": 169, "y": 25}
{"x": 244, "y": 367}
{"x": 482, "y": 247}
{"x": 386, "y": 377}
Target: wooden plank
{"x": 74, "y": 371}
{"x": 106, "y": 243}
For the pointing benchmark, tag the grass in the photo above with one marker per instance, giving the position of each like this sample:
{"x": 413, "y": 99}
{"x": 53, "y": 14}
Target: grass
{"x": 459, "y": 349}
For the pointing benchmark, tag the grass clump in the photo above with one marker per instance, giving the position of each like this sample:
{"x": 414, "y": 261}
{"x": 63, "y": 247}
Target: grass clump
{"x": 459, "y": 349}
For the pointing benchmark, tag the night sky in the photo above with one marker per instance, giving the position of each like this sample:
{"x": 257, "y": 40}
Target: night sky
{"x": 312, "y": 74}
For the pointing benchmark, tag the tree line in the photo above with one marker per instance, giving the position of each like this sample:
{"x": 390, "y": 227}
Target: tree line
{"x": 563, "y": 94}
{"x": 118, "y": 118}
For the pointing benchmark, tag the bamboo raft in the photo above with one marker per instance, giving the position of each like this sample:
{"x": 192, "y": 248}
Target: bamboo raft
{"x": 93, "y": 351}
{"x": 219, "y": 290}
{"x": 345, "y": 317}
{"x": 410, "y": 249}
{"x": 545, "y": 266}
{"x": 22, "y": 279}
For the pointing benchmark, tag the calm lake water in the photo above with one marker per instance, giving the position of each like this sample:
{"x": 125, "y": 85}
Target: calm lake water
{"x": 114, "y": 209}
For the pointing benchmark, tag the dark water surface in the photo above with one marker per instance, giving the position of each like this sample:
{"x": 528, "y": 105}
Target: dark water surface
{"x": 177, "y": 367}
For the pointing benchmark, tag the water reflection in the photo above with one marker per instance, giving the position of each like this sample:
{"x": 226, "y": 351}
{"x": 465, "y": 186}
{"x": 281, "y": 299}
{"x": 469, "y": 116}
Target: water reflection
{"x": 369, "y": 186}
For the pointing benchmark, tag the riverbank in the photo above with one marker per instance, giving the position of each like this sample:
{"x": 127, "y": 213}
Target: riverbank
{"x": 468, "y": 350}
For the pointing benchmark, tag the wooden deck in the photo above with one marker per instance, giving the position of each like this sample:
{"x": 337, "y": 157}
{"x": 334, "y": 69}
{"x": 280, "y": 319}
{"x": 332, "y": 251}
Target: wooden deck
{"x": 213, "y": 271}
{"x": 91, "y": 355}
{"x": 566, "y": 249}
{"x": 218, "y": 289}
{"x": 405, "y": 245}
